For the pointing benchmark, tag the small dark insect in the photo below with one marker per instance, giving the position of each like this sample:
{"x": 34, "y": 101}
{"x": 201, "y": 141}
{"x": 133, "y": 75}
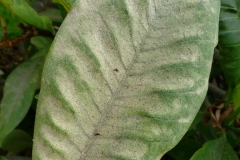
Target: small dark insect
{"x": 97, "y": 134}
{"x": 116, "y": 70}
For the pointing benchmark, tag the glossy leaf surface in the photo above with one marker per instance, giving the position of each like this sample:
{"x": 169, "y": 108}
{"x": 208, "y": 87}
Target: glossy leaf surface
{"x": 229, "y": 33}
{"x": 218, "y": 149}
{"x": 124, "y": 79}
{"x": 19, "y": 91}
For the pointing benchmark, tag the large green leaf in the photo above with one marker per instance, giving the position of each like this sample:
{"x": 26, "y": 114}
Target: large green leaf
{"x": 23, "y": 10}
{"x": 218, "y": 149}
{"x": 124, "y": 79}
{"x": 229, "y": 33}
{"x": 17, "y": 140}
{"x": 19, "y": 91}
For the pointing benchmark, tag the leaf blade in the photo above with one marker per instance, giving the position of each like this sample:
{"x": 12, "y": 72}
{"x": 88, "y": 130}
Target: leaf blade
{"x": 18, "y": 94}
{"x": 17, "y": 140}
{"x": 114, "y": 82}
{"x": 228, "y": 28}
{"x": 218, "y": 149}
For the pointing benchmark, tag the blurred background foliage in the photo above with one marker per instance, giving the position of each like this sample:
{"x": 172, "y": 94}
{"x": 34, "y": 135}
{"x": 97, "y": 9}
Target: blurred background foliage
{"x": 27, "y": 30}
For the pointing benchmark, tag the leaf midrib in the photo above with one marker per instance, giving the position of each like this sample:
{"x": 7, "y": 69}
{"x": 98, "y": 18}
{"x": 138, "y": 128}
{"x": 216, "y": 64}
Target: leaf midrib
{"x": 116, "y": 93}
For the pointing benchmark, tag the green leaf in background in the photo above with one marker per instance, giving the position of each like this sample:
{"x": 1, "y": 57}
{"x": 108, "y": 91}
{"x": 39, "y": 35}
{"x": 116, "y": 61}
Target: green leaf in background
{"x": 67, "y": 4}
{"x": 3, "y": 158}
{"x": 12, "y": 22}
{"x": 229, "y": 33}
{"x": 53, "y": 14}
{"x": 24, "y": 11}
{"x": 207, "y": 131}
{"x": 199, "y": 117}
{"x": 16, "y": 141}
{"x": 17, "y": 158}
{"x": 71, "y": 2}
{"x": 184, "y": 149}
{"x": 236, "y": 98}
{"x": 124, "y": 79}
{"x": 19, "y": 91}
{"x": 218, "y": 149}
{"x": 40, "y": 42}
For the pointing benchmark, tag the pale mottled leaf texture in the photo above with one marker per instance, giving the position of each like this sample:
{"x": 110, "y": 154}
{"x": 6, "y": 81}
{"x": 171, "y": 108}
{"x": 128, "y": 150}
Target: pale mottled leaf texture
{"x": 124, "y": 78}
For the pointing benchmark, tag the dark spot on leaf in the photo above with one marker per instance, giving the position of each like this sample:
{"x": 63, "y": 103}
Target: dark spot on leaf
{"x": 116, "y": 70}
{"x": 97, "y": 134}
